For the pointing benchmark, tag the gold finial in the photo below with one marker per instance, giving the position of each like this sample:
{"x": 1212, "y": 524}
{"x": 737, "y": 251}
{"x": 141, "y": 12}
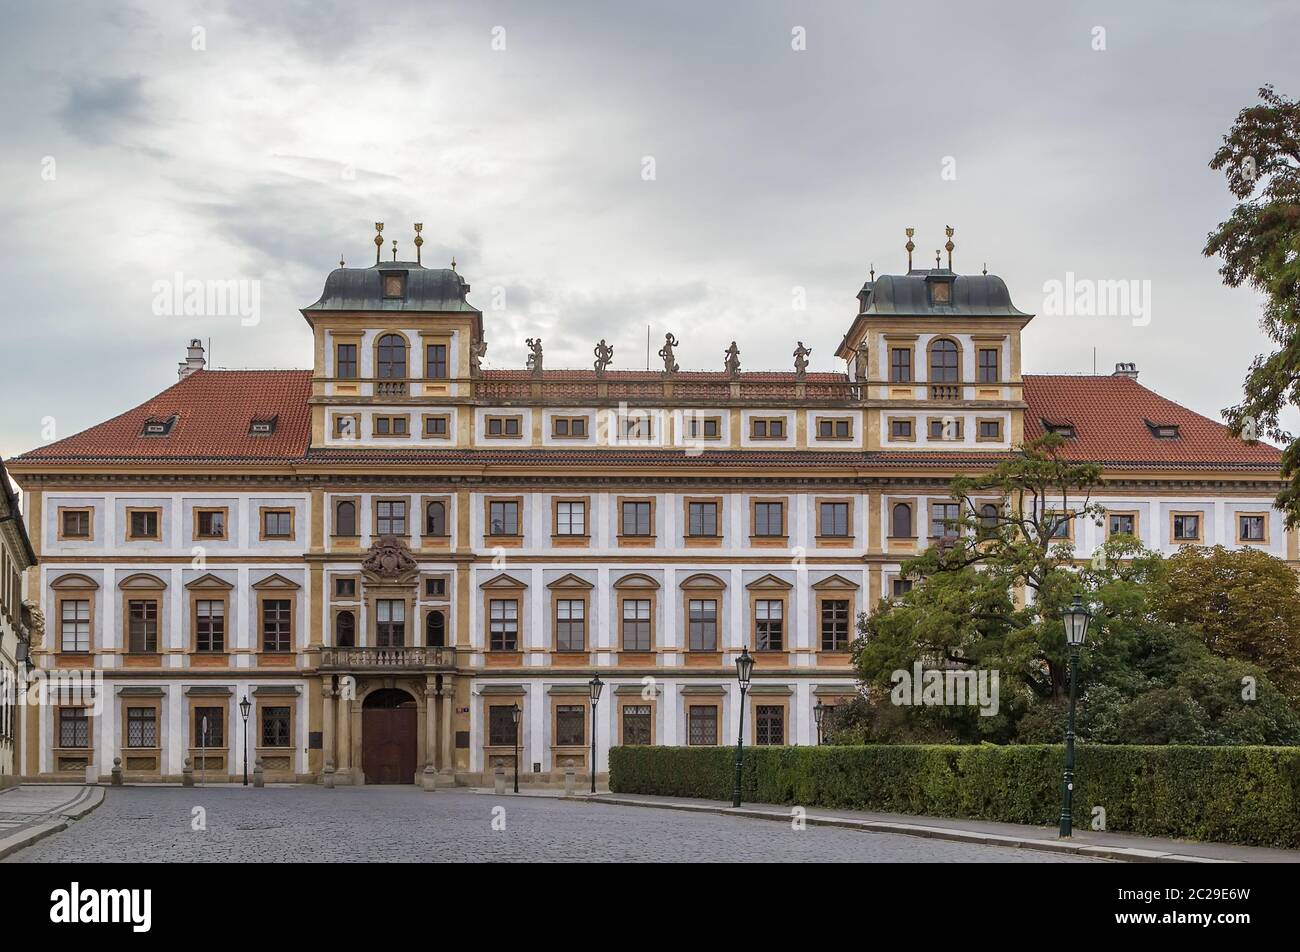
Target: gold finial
{"x": 394, "y": 249}
{"x": 949, "y": 246}
{"x": 873, "y": 271}
{"x": 453, "y": 263}
{"x": 936, "y": 259}
{"x": 419, "y": 226}
{"x": 910, "y": 247}
{"x": 379, "y": 239}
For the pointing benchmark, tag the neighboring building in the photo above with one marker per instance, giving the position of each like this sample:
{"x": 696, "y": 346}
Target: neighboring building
{"x": 387, "y": 553}
{"x": 16, "y": 623}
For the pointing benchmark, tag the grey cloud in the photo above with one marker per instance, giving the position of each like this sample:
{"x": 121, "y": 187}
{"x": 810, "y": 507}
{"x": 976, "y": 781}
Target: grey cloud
{"x": 99, "y": 110}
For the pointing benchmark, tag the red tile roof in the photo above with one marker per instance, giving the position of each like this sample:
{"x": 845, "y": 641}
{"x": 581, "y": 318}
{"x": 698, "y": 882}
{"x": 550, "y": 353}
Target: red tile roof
{"x": 1110, "y": 416}
{"x": 745, "y": 376}
{"x": 213, "y": 410}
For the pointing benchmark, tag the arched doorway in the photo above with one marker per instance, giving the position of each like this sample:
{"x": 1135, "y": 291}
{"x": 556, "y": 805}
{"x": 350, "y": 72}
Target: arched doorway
{"x": 388, "y": 736}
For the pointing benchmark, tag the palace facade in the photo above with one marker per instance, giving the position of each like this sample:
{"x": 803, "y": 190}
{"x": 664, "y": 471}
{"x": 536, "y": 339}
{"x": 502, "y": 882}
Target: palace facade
{"x": 387, "y": 554}
{"x": 16, "y": 625}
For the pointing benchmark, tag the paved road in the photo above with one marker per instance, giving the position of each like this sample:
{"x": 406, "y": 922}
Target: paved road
{"x": 397, "y": 824}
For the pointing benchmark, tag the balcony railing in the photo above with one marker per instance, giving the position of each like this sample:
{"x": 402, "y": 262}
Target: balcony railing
{"x": 391, "y": 388}
{"x": 945, "y": 391}
{"x": 414, "y": 658}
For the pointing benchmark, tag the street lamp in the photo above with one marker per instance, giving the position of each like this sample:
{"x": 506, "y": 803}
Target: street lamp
{"x": 596, "y": 686}
{"x": 514, "y": 716}
{"x": 744, "y": 668}
{"x": 1076, "y": 619}
{"x": 244, "y": 707}
{"x": 819, "y": 714}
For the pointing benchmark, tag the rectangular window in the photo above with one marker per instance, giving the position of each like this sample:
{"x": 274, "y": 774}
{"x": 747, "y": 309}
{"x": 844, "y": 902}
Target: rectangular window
{"x": 504, "y": 624}
{"x": 946, "y": 429}
{"x": 571, "y": 518}
{"x": 636, "y": 725}
{"x": 769, "y": 624}
{"x": 277, "y": 523}
{"x": 390, "y": 623}
{"x": 347, "y": 426}
{"x": 901, "y": 430}
{"x": 987, "y": 365}
{"x": 769, "y": 519}
{"x": 900, "y": 587}
{"x": 501, "y": 725}
{"x": 834, "y": 429}
{"x": 835, "y": 624}
{"x": 769, "y": 725}
{"x": 74, "y": 727}
{"x": 570, "y": 725}
{"x": 702, "y": 519}
{"x": 345, "y": 588}
{"x": 391, "y": 426}
{"x": 569, "y": 428}
{"x": 210, "y": 625}
{"x": 141, "y": 727}
{"x": 943, "y": 520}
{"x": 1121, "y": 523}
{"x": 144, "y": 524}
{"x": 1250, "y": 528}
{"x": 435, "y": 588}
{"x": 435, "y": 361}
{"x": 211, "y": 523}
{"x": 277, "y": 624}
{"x": 702, "y": 725}
{"x": 702, "y": 624}
{"x": 76, "y": 523}
{"x": 346, "y": 361}
{"x": 990, "y": 429}
{"x": 214, "y": 719}
{"x": 435, "y": 427}
{"x": 636, "y": 518}
{"x": 636, "y": 624}
{"x": 1059, "y": 525}
{"x": 900, "y": 365}
{"x": 835, "y": 519}
{"x": 504, "y": 426}
{"x": 637, "y": 427}
{"x": 1187, "y": 527}
{"x": 275, "y": 727}
{"x": 767, "y": 429}
{"x": 390, "y": 517}
{"x": 74, "y": 625}
{"x": 570, "y": 624}
{"x": 704, "y": 428}
{"x": 142, "y": 624}
{"x": 503, "y": 517}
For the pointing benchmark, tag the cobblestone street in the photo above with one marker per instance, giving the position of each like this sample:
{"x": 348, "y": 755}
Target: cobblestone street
{"x": 403, "y": 824}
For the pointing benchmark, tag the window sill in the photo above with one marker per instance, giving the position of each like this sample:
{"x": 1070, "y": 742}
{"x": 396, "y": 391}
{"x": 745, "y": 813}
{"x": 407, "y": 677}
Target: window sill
{"x": 642, "y": 541}
{"x": 780, "y": 540}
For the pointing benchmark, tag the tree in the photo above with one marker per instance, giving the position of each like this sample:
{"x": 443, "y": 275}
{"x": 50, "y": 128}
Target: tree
{"x": 1260, "y": 247}
{"x": 1243, "y": 604}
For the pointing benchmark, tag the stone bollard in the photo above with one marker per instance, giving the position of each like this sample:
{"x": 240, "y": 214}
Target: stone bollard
{"x": 499, "y": 779}
{"x": 259, "y": 775}
{"x": 116, "y": 772}
{"x": 327, "y": 775}
{"x": 570, "y": 778}
{"x": 187, "y": 773}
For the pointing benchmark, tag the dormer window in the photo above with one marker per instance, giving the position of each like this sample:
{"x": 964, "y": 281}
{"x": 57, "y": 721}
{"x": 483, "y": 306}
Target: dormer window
{"x": 1163, "y": 431}
{"x": 941, "y": 292}
{"x": 394, "y": 285}
{"x": 158, "y": 426}
{"x": 1063, "y": 430}
{"x": 262, "y": 426}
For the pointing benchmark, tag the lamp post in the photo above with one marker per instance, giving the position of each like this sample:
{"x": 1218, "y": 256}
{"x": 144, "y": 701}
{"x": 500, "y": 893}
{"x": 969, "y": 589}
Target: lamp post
{"x": 244, "y": 707}
{"x": 596, "y": 686}
{"x": 744, "y": 669}
{"x": 1076, "y": 619}
{"x": 819, "y": 714}
{"x": 514, "y": 716}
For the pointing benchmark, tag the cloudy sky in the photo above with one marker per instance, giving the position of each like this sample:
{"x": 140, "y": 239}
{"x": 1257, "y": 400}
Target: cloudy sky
{"x": 259, "y": 141}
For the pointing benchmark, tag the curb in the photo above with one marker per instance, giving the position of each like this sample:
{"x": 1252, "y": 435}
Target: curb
{"x": 25, "y": 838}
{"x": 1124, "y": 854}
{"x": 89, "y": 800}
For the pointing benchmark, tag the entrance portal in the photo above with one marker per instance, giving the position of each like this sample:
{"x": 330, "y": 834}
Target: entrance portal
{"x": 388, "y": 736}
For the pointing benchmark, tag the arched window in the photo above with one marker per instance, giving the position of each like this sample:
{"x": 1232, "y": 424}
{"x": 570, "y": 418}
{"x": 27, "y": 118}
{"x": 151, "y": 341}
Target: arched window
{"x": 345, "y": 519}
{"x": 391, "y": 357}
{"x": 943, "y": 362}
{"x": 345, "y": 630}
{"x": 435, "y": 519}
{"x": 900, "y": 524}
{"x": 435, "y": 630}
{"x": 988, "y": 517}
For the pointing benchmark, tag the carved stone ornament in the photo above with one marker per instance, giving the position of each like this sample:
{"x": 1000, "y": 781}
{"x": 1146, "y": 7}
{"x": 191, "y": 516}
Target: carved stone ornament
{"x": 37, "y": 623}
{"x": 666, "y": 353}
{"x": 535, "y": 355}
{"x": 604, "y": 357}
{"x": 801, "y": 360}
{"x": 477, "y": 351}
{"x": 732, "y": 360}
{"x": 389, "y": 558}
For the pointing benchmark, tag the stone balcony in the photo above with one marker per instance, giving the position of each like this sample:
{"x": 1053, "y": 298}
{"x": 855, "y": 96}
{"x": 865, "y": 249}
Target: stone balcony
{"x": 385, "y": 660}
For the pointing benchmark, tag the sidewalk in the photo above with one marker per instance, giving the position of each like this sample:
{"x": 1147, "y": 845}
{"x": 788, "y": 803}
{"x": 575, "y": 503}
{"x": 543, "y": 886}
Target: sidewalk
{"x": 31, "y": 812}
{"x": 1124, "y": 847}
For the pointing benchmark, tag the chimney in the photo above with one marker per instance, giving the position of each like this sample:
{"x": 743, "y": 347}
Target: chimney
{"x": 1126, "y": 370}
{"x": 193, "y": 359}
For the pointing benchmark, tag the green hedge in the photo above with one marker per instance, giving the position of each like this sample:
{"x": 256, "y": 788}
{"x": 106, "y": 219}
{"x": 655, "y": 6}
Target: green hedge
{"x": 1245, "y": 795}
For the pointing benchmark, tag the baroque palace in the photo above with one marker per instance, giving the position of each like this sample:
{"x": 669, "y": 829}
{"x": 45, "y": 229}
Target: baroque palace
{"x": 380, "y": 558}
